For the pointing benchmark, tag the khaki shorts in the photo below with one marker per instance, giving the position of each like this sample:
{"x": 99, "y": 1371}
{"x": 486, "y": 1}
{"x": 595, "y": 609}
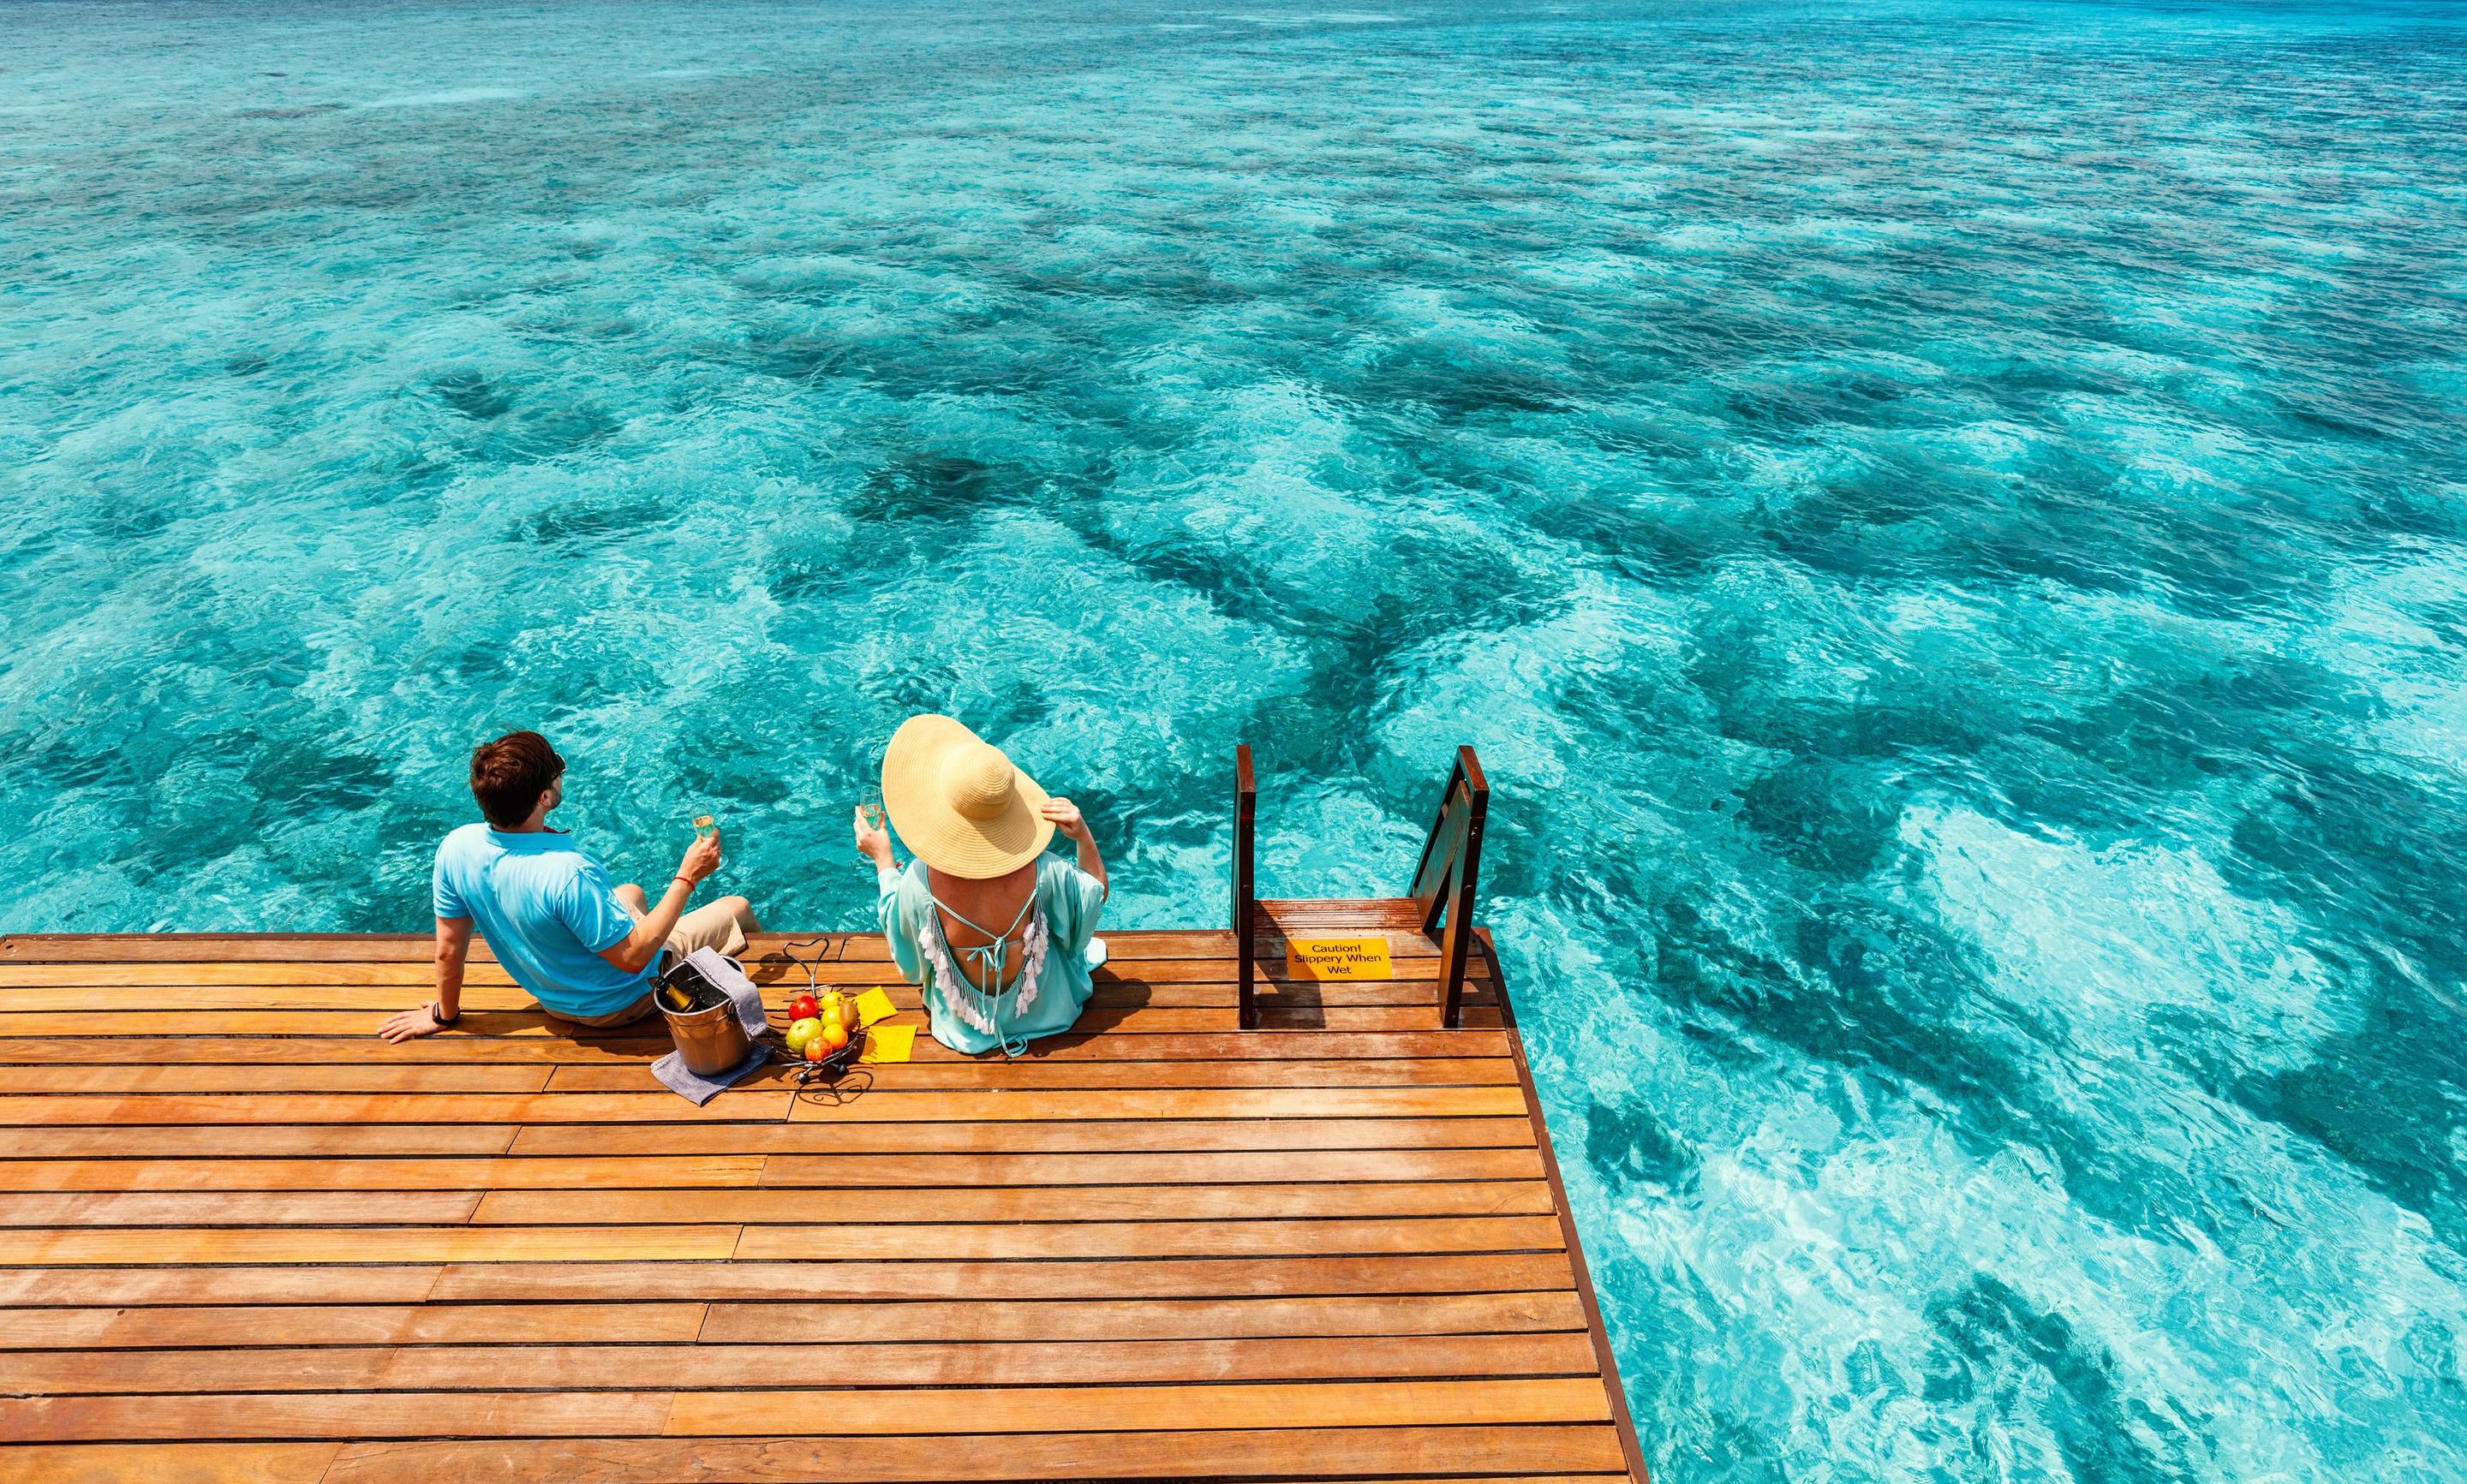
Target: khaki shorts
{"x": 722, "y": 925}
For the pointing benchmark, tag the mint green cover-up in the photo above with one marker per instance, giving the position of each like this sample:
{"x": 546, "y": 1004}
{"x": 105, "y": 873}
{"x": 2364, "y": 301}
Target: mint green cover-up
{"x": 970, "y": 1020}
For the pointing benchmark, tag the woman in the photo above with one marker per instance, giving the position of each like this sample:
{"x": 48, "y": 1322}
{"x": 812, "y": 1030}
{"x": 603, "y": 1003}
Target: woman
{"x": 1001, "y": 938}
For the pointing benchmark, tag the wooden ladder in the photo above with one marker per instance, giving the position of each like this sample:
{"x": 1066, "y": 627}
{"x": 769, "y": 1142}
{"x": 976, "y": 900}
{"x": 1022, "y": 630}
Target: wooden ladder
{"x": 1439, "y": 903}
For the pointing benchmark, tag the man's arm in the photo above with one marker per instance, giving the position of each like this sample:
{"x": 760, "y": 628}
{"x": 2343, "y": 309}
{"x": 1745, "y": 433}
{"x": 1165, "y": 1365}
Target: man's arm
{"x": 633, "y": 953}
{"x": 453, "y": 951}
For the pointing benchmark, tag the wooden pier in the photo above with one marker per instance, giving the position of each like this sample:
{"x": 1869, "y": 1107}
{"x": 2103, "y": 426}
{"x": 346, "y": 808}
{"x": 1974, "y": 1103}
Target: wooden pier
{"x": 245, "y": 1239}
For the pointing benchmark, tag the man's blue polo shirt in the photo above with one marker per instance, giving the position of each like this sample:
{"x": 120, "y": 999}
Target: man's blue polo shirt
{"x": 546, "y": 909}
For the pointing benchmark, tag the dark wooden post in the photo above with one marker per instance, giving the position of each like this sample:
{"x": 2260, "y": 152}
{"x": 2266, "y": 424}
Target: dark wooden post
{"x": 1246, "y": 800}
{"x": 1446, "y": 881}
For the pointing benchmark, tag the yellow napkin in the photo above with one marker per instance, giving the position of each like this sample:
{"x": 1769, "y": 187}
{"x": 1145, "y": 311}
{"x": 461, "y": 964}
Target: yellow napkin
{"x": 888, "y": 1043}
{"x": 874, "y": 1005}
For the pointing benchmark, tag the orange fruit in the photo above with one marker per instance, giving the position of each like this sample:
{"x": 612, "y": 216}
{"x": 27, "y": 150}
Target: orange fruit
{"x": 834, "y": 1035}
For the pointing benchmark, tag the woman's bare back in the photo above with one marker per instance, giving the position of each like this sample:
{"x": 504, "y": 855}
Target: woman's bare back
{"x": 999, "y": 903}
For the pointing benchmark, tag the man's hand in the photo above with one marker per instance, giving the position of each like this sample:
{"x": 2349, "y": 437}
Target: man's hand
{"x": 410, "y": 1024}
{"x": 701, "y": 858}
{"x": 872, "y": 840}
{"x": 1066, "y": 817}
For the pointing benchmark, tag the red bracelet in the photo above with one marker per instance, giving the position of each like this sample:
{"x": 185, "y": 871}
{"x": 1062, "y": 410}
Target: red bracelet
{"x": 687, "y": 879}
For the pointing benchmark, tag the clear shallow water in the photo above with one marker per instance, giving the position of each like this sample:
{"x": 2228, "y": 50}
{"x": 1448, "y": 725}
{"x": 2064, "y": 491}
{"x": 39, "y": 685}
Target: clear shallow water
{"x": 1945, "y": 522}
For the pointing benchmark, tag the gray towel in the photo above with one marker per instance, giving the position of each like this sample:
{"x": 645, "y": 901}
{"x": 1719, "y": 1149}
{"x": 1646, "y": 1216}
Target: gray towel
{"x": 672, "y": 1070}
{"x": 726, "y": 973}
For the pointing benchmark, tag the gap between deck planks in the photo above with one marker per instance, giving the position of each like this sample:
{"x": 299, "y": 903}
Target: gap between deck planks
{"x": 1332, "y": 1246}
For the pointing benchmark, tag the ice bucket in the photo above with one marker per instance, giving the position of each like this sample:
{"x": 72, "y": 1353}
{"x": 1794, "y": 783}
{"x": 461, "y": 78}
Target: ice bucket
{"x": 709, "y": 1036}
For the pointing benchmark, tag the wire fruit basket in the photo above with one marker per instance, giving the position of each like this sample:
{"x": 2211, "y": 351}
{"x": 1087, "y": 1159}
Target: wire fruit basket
{"x": 823, "y": 1067}
{"x": 829, "y": 1065}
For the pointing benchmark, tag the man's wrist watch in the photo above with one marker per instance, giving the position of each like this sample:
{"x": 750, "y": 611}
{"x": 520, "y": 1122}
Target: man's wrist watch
{"x": 437, "y": 1013}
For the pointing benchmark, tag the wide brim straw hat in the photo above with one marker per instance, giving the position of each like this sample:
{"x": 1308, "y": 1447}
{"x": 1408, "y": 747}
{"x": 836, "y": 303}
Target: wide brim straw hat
{"x": 958, "y": 803}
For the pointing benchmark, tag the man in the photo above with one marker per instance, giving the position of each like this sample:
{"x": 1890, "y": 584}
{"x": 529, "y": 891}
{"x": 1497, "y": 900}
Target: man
{"x": 585, "y": 950}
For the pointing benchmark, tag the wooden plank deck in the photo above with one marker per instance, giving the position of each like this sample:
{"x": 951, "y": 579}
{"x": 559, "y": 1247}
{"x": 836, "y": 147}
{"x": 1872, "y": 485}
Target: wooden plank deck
{"x": 244, "y": 1239}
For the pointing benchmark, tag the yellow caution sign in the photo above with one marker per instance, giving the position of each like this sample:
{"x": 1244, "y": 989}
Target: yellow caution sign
{"x": 1338, "y": 958}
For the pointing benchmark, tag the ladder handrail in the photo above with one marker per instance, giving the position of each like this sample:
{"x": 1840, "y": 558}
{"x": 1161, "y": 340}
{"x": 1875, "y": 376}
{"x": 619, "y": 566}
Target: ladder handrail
{"x": 1448, "y": 877}
{"x": 1246, "y": 803}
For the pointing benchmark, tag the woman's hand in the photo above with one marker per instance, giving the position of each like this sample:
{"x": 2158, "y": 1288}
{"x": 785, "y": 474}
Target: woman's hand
{"x": 872, "y": 840}
{"x": 1066, "y": 817}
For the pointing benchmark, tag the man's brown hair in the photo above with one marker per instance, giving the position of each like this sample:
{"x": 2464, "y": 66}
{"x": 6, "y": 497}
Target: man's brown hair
{"x": 510, "y": 774}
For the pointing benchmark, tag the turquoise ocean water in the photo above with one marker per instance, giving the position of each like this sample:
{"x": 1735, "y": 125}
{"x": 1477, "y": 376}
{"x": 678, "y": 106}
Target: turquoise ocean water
{"x": 1945, "y": 521}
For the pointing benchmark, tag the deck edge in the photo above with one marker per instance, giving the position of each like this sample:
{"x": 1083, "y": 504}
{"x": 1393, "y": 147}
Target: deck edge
{"x": 1603, "y": 1354}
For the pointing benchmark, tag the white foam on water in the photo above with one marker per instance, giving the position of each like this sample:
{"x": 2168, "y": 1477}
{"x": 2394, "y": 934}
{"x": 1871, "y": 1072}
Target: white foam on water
{"x": 446, "y": 98}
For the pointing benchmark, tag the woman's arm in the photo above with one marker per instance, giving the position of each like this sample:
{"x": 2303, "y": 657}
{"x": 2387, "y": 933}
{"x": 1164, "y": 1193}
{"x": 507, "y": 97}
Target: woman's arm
{"x": 873, "y": 844}
{"x": 1068, "y": 819}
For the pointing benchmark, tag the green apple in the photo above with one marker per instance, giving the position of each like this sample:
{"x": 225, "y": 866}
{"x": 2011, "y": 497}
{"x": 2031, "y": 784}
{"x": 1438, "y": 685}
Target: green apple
{"x": 802, "y": 1031}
